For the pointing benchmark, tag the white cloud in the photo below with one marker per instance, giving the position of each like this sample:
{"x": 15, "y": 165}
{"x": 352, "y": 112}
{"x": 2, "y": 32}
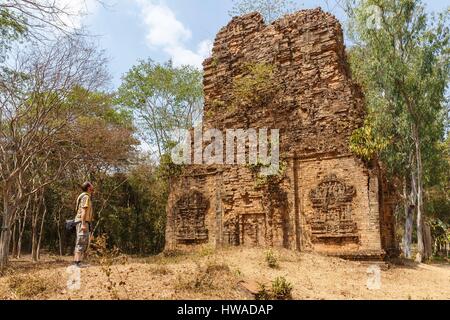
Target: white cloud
{"x": 163, "y": 27}
{"x": 205, "y": 47}
{"x": 166, "y": 32}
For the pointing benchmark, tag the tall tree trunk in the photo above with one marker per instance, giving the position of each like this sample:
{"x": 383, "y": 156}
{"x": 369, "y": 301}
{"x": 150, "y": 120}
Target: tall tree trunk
{"x": 34, "y": 222}
{"x": 421, "y": 254}
{"x": 409, "y": 219}
{"x": 58, "y": 226}
{"x": 427, "y": 240}
{"x": 14, "y": 240}
{"x": 19, "y": 239}
{"x": 406, "y": 238}
{"x": 4, "y": 248}
{"x": 22, "y": 223}
{"x": 5, "y": 235}
{"x": 41, "y": 231}
{"x": 420, "y": 244}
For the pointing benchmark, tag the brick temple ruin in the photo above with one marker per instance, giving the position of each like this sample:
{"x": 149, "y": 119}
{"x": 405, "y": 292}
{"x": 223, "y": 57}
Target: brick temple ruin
{"x": 327, "y": 199}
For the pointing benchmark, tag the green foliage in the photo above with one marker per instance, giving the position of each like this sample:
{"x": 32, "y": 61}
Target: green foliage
{"x": 403, "y": 67}
{"x": 215, "y": 62}
{"x": 269, "y": 9}
{"x": 11, "y": 28}
{"x": 400, "y": 57}
{"x": 99, "y": 105}
{"x": 261, "y": 180}
{"x": 167, "y": 169}
{"x": 11, "y": 21}
{"x": 263, "y": 293}
{"x": 129, "y": 207}
{"x": 281, "y": 289}
{"x": 256, "y": 86}
{"x": 271, "y": 259}
{"x": 134, "y": 215}
{"x": 366, "y": 144}
{"x": 165, "y": 98}
{"x": 440, "y": 232}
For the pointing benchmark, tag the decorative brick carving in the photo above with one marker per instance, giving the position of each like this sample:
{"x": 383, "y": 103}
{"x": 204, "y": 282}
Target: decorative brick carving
{"x": 190, "y": 211}
{"x": 332, "y": 201}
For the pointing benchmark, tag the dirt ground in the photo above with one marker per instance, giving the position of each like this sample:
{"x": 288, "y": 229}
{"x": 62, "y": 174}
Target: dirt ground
{"x": 208, "y": 274}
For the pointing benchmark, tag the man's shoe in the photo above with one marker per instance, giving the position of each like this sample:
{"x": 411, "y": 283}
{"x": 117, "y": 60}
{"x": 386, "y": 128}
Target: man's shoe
{"x": 83, "y": 265}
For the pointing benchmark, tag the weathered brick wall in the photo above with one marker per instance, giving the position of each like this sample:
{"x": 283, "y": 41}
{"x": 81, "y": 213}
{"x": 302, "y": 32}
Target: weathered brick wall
{"x": 314, "y": 103}
{"x": 325, "y": 199}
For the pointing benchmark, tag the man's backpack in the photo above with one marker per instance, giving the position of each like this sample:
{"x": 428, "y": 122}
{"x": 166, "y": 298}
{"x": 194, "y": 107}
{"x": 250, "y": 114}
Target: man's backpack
{"x": 71, "y": 224}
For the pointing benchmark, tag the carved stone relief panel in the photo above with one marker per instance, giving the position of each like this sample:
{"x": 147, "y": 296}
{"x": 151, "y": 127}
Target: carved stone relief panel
{"x": 190, "y": 212}
{"x": 231, "y": 232}
{"x": 252, "y": 229}
{"x": 332, "y": 203}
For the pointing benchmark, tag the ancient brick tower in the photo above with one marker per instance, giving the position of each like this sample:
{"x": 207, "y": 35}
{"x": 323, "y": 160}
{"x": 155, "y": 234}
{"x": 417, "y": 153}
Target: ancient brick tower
{"x": 327, "y": 199}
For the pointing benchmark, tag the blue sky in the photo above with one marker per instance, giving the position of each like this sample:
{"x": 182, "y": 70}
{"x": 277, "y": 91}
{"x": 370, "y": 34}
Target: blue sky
{"x": 181, "y": 30}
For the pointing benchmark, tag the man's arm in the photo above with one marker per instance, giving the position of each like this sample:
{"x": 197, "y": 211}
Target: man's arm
{"x": 84, "y": 208}
{"x": 83, "y": 219}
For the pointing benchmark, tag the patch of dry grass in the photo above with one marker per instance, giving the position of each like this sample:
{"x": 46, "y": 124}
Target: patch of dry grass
{"x": 167, "y": 257}
{"x": 206, "y": 277}
{"x": 31, "y": 286}
{"x": 161, "y": 270}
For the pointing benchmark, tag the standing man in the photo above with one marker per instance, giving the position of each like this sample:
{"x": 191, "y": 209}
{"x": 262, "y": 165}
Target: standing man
{"x": 84, "y": 220}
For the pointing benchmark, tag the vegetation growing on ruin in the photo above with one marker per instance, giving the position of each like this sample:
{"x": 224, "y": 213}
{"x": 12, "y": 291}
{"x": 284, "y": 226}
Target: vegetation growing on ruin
{"x": 269, "y": 9}
{"x": 256, "y": 86}
{"x": 262, "y": 180}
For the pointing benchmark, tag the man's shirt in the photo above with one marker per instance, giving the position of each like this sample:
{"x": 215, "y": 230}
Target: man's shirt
{"x": 85, "y": 203}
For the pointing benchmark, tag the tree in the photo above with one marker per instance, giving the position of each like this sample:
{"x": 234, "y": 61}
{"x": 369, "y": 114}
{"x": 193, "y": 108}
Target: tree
{"x": 38, "y": 19}
{"x": 165, "y": 98}
{"x": 400, "y": 58}
{"x": 269, "y": 9}
{"x": 33, "y": 115}
{"x": 11, "y": 29}
{"x": 135, "y": 215}
{"x": 102, "y": 144}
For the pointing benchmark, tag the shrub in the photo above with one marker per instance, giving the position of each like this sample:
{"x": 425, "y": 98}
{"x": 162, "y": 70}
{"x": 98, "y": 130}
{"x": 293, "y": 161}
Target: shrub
{"x": 281, "y": 289}
{"x": 256, "y": 86}
{"x": 108, "y": 260}
{"x": 263, "y": 293}
{"x": 271, "y": 260}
